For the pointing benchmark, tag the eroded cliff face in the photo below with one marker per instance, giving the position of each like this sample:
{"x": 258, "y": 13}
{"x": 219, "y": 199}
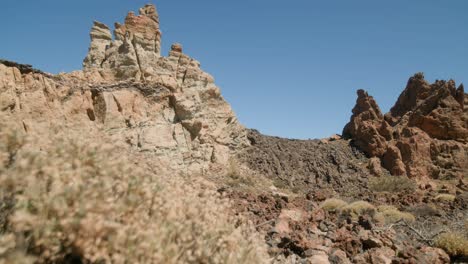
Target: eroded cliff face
{"x": 425, "y": 134}
{"x": 166, "y": 106}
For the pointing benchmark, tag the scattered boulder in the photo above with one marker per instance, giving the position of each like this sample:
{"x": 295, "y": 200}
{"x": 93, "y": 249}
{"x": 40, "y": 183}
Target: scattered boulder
{"x": 375, "y": 255}
{"x": 339, "y": 257}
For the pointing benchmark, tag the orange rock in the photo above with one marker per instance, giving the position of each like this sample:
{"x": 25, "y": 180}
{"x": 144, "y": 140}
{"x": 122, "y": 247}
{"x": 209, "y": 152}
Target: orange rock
{"x": 425, "y": 134}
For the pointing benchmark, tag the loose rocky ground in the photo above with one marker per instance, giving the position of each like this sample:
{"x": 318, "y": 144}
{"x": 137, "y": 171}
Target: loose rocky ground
{"x": 307, "y": 173}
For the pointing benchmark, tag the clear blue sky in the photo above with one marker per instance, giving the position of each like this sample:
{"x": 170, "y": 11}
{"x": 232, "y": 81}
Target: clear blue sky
{"x": 288, "y": 68}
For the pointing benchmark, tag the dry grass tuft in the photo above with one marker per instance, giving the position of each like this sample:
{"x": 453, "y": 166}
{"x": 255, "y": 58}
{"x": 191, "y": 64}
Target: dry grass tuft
{"x": 456, "y": 245}
{"x": 392, "y": 184}
{"x": 236, "y": 177}
{"x": 446, "y": 198}
{"x": 383, "y": 214}
{"x": 356, "y": 209}
{"x": 333, "y": 205}
{"x": 393, "y": 215}
{"x": 87, "y": 200}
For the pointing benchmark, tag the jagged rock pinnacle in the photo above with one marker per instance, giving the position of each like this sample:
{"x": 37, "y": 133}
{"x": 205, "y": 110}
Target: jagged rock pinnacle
{"x": 163, "y": 105}
{"x": 427, "y": 121}
{"x": 135, "y": 49}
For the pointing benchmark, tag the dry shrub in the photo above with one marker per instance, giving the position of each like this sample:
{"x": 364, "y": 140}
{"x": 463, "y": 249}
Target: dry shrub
{"x": 425, "y": 210}
{"x": 233, "y": 169}
{"x": 236, "y": 177}
{"x": 391, "y": 184}
{"x": 456, "y": 245}
{"x": 280, "y": 183}
{"x": 445, "y": 198}
{"x": 87, "y": 200}
{"x": 356, "y": 209}
{"x": 391, "y": 214}
{"x": 333, "y": 205}
{"x": 10, "y": 143}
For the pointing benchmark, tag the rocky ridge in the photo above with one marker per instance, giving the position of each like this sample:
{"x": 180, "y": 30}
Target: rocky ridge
{"x": 167, "y": 106}
{"x": 425, "y": 134}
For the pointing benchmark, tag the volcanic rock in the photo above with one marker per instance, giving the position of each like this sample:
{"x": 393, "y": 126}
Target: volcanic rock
{"x": 308, "y": 165}
{"x": 425, "y": 134}
{"x": 365, "y": 126}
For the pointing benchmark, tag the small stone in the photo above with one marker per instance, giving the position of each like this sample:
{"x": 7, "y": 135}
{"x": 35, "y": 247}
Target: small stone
{"x": 339, "y": 257}
{"x": 319, "y": 259}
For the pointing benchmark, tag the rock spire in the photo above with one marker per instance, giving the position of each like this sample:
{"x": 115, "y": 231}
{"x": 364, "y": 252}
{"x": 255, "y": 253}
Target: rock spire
{"x": 133, "y": 52}
{"x": 167, "y": 106}
{"x": 425, "y": 134}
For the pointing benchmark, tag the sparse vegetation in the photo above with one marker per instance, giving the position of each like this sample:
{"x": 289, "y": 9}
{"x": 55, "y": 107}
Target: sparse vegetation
{"x": 279, "y": 183}
{"x": 89, "y": 201}
{"x": 358, "y": 208}
{"x": 385, "y": 213}
{"x": 236, "y": 177}
{"x": 233, "y": 169}
{"x": 333, "y": 205}
{"x": 446, "y": 198}
{"x": 392, "y": 184}
{"x": 456, "y": 245}
{"x": 393, "y": 215}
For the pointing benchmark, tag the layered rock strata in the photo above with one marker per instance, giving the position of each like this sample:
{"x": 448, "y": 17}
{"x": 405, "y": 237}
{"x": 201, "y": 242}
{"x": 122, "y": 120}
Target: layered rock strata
{"x": 425, "y": 134}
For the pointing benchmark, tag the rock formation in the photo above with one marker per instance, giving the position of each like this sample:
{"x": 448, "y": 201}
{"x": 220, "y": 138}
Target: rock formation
{"x": 425, "y": 134}
{"x": 171, "y": 118}
{"x": 166, "y": 106}
{"x": 135, "y": 50}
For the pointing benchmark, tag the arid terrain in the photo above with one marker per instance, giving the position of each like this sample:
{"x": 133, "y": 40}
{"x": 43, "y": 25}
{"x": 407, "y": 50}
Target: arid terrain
{"x": 137, "y": 158}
